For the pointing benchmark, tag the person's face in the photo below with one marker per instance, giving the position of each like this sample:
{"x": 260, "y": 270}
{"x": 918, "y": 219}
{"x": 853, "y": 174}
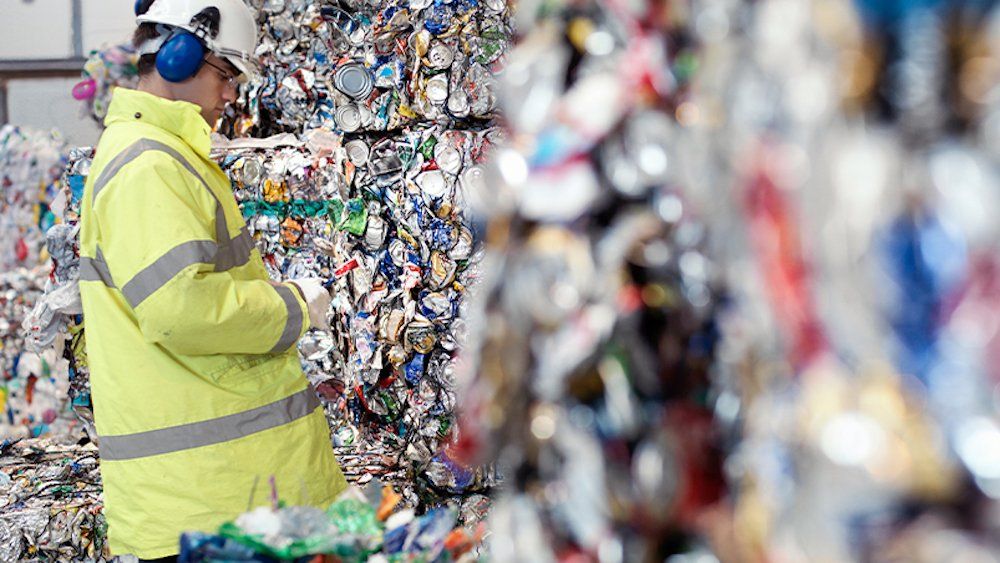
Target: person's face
{"x": 211, "y": 88}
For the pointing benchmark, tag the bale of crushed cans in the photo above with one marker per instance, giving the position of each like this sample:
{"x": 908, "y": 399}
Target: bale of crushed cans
{"x": 386, "y": 224}
{"x": 33, "y": 387}
{"x": 50, "y": 501}
{"x": 365, "y": 66}
{"x": 31, "y": 163}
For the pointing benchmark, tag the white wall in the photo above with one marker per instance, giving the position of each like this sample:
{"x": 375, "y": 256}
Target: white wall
{"x": 43, "y": 29}
{"x": 106, "y": 22}
{"x": 39, "y": 29}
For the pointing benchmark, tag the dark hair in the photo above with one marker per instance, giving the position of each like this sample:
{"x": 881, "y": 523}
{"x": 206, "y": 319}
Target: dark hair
{"x": 143, "y": 33}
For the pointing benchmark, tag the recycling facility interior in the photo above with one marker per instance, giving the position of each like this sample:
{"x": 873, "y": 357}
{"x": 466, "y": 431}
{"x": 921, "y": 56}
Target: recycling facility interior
{"x": 614, "y": 280}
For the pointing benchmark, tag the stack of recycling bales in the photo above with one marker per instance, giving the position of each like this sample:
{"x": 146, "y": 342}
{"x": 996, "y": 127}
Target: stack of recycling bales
{"x": 50, "y": 506}
{"x": 31, "y": 163}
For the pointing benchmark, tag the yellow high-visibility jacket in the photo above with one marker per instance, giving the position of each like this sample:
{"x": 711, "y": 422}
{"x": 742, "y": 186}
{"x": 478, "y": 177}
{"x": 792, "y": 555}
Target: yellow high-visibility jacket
{"x": 198, "y": 395}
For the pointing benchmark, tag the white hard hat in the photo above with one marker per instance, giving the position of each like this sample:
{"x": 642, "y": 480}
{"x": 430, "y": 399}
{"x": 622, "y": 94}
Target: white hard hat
{"x": 237, "y": 37}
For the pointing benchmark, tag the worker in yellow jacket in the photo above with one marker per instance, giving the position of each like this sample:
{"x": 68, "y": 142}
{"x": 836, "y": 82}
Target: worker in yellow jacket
{"x": 199, "y": 399}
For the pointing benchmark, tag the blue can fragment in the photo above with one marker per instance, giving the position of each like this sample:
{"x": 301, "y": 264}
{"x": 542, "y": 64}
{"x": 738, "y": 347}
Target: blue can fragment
{"x": 414, "y": 369}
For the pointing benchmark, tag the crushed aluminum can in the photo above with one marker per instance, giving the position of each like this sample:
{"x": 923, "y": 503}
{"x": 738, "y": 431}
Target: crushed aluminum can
{"x": 458, "y": 103}
{"x": 357, "y": 151}
{"x": 432, "y": 183}
{"x": 436, "y": 88}
{"x": 420, "y": 336}
{"x": 349, "y": 117}
{"x": 464, "y": 245}
{"x": 443, "y": 270}
{"x": 448, "y": 158}
{"x": 439, "y": 56}
{"x": 385, "y": 161}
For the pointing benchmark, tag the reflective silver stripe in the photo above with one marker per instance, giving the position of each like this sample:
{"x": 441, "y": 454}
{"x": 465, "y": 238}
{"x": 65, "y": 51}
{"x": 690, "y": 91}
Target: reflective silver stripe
{"x": 123, "y": 158}
{"x": 143, "y": 145}
{"x": 157, "y": 274}
{"x": 154, "y": 276}
{"x": 294, "y": 322}
{"x": 236, "y": 253}
{"x": 96, "y": 269}
{"x": 208, "y": 432}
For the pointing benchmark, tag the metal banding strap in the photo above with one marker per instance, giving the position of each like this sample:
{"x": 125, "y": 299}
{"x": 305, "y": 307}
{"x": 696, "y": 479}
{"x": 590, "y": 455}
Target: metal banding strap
{"x": 209, "y": 432}
{"x": 154, "y": 276}
{"x": 144, "y": 145}
{"x": 294, "y": 322}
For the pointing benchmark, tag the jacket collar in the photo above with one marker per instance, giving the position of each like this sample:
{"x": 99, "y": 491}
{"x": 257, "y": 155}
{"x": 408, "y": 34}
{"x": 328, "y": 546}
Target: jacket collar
{"x": 180, "y": 119}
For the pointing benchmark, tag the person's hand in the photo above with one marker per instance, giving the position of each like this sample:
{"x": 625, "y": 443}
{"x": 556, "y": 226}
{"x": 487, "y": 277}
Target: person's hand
{"x": 317, "y": 301}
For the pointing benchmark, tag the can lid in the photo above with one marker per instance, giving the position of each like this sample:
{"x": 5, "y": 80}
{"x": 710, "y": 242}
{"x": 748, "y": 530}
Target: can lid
{"x": 440, "y": 55}
{"x": 354, "y": 80}
{"x": 473, "y": 178}
{"x": 437, "y": 88}
{"x": 348, "y": 117}
{"x": 357, "y": 152}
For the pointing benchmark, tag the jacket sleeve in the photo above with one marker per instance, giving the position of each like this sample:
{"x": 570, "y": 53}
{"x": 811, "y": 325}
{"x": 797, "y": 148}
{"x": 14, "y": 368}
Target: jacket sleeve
{"x": 157, "y": 225}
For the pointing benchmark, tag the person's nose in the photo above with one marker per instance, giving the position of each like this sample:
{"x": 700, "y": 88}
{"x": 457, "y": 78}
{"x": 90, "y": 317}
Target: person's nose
{"x": 229, "y": 93}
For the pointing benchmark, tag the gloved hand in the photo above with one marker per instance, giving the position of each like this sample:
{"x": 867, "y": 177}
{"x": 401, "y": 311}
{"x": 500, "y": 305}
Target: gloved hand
{"x": 317, "y": 301}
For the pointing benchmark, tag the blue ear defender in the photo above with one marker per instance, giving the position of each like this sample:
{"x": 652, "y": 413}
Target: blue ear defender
{"x": 182, "y": 53}
{"x": 180, "y": 57}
